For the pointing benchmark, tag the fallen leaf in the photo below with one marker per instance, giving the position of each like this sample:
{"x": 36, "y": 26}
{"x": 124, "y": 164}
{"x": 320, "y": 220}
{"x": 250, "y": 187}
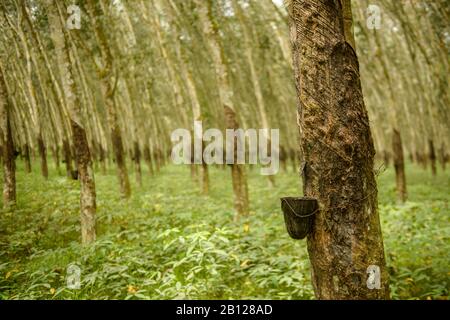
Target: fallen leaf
{"x": 131, "y": 289}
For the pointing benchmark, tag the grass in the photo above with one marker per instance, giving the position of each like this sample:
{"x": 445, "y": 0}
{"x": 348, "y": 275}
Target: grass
{"x": 169, "y": 242}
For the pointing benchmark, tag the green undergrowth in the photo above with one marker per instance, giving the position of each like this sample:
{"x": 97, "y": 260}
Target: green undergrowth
{"x": 169, "y": 242}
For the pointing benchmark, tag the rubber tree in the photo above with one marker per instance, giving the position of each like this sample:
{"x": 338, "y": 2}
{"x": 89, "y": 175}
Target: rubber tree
{"x": 83, "y": 158}
{"x": 211, "y": 33}
{"x": 345, "y": 245}
{"x": 7, "y": 146}
{"x": 108, "y": 81}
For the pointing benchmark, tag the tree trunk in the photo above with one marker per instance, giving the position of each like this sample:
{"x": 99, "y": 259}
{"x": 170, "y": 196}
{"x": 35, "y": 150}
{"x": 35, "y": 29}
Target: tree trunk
{"x": 67, "y": 154}
{"x": 137, "y": 163}
{"x": 88, "y": 205}
{"x": 443, "y": 157}
{"x": 283, "y": 159}
{"x": 238, "y": 176}
{"x": 148, "y": 159}
{"x": 197, "y": 114}
{"x": 119, "y": 154}
{"x": 7, "y": 147}
{"x": 83, "y": 158}
{"x": 399, "y": 165}
{"x": 432, "y": 157}
{"x": 26, "y": 158}
{"x": 338, "y": 155}
{"x": 108, "y": 89}
{"x": 249, "y": 43}
{"x": 205, "y": 174}
{"x": 43, "y": 155}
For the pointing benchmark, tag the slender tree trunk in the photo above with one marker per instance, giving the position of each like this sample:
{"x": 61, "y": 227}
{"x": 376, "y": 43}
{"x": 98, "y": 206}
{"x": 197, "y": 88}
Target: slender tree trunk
{"x": 398, "y": 154}
{"x": 148, "y": 159}
{"x": 88, "y": 205}
{"x": 248, "y": 43}
{"x": 119, "y": 154}
{"x": 198, "y": 116}
{"x": 432, "y": 157}
{"x": 26, "y": 157}
{"x": 108, "y": 89}
{"x": 399, "y": 165}
{"x": 443, "y": 157}
{"x": 67, "y": 154}
{"x": 338, "y": 155}
{"x": 83, "y": 158}
{"x": 283, "y": 159}
{"x": 7, "y": 147}
{"x": 43, "y": 155}
{"x": 238, "y": 175}
{"x": 137, "y": 163}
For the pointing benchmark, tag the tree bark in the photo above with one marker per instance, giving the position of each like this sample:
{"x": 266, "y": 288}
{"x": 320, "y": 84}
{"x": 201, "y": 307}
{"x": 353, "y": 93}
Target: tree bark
{"x": 7, "y": 147}
{"x": 338, "y": 154}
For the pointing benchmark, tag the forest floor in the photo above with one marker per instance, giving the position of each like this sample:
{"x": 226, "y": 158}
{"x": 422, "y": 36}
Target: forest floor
{"x": 168, "y": 241}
